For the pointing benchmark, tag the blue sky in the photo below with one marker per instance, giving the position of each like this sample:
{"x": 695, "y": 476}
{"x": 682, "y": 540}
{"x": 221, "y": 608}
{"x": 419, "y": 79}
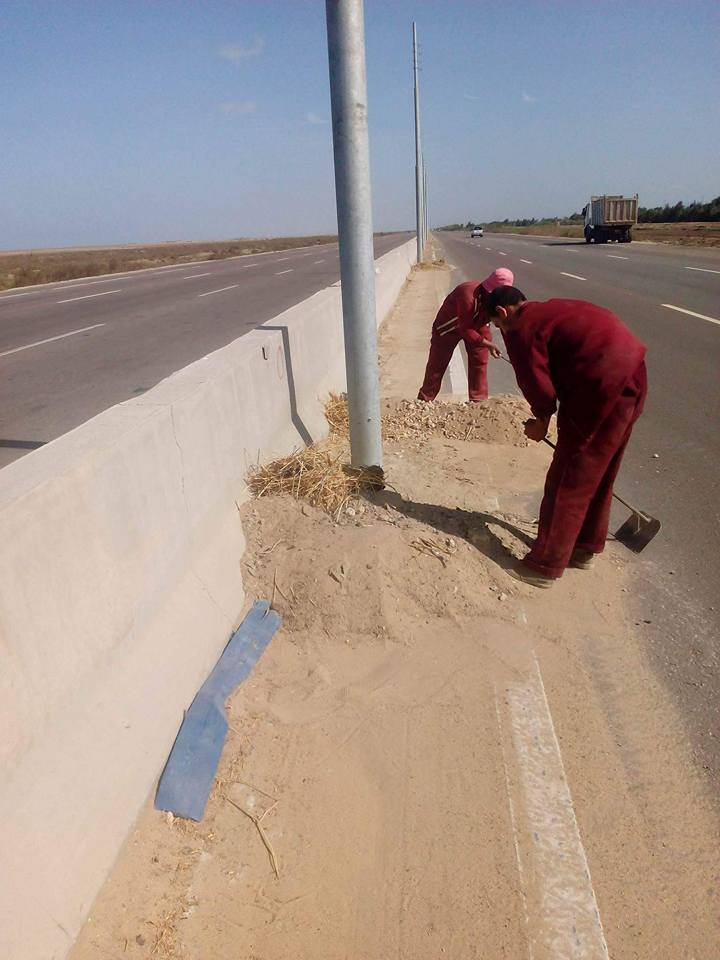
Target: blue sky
{"x": 154, "y": 120}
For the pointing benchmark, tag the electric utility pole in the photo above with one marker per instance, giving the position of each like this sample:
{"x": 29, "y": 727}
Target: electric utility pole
{"x": 419, "y": 204}
{"x": 348, "y": 98}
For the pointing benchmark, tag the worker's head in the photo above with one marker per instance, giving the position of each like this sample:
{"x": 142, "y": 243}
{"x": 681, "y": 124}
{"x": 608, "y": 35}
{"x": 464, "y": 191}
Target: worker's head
{"x": 498, "y": 278}
{"x": 503, "y": 306}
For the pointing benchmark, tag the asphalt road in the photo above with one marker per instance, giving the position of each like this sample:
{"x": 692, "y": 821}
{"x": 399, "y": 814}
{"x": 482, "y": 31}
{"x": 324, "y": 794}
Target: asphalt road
{"x": 70, "y": 350}
{"x": 672, "y": 466}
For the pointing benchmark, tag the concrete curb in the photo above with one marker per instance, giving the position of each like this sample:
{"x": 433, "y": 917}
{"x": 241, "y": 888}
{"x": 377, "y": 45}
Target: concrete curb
{"x": 120, "y": 583}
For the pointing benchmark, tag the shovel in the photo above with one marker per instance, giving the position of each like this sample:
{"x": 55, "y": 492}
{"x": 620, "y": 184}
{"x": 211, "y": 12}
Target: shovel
{"x": 639, "y": 528}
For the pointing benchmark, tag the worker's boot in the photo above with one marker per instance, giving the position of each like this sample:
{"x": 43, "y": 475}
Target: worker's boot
{"x": 533, "y": 578}
{"x": 582, "y": 559}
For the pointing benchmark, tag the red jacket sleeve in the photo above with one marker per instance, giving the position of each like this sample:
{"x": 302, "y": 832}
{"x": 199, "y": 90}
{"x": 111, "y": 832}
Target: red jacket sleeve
{"x": 529, "y": 357}
{"x": 474, "y": 328}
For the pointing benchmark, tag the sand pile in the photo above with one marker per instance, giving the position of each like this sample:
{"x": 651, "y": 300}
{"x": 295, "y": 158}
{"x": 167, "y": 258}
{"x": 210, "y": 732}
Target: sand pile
{"x": 498, "y": 420}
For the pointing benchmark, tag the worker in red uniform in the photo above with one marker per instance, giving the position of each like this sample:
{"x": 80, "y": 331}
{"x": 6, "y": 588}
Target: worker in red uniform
{"x": 462, "y": 317}
{"x": 583, "y": 361}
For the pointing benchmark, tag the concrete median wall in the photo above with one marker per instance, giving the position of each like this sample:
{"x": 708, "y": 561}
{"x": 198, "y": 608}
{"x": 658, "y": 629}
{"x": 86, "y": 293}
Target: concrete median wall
{"x": 120, "y": 583}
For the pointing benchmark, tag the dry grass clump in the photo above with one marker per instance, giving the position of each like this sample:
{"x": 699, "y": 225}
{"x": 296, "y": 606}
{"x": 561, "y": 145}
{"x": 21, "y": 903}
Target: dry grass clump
{"x": 336, "y": 414}
{"x": 321, "y": 477}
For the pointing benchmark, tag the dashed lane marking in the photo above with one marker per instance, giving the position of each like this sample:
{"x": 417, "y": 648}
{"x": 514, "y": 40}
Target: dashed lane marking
{"x": 192, "y": 276}
{"x": 501, "y": 253}
{"x": 702, "y": 269}
{"x": 282, "y": 272}
{"x": 209, "y": 293}
{"x": 87, "y": 296}
{"x": 525, "y": 261}
{"x": 318, "y": 261}
{"x": 614, "y": 256}
{"x": 573, "y": 275}
{"x": 691, "y": 313}
{"x": 61, "y": 336}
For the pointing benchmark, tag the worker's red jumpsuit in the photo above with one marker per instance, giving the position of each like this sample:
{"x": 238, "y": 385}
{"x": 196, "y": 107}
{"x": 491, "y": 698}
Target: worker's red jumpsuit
{"x": 582, "y": 357}
{"x": 461, "y": 317}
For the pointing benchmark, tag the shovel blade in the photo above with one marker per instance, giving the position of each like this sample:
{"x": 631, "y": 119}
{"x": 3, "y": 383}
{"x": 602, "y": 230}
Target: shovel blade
{"x": 637, "y": 531}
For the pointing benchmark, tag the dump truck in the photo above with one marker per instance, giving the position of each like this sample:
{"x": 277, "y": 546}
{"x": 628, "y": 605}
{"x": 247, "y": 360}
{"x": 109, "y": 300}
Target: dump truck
{"x": 610, "y": 218}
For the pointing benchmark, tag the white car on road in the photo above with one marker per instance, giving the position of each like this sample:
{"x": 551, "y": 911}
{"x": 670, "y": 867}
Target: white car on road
{"x": 477, "y": 232}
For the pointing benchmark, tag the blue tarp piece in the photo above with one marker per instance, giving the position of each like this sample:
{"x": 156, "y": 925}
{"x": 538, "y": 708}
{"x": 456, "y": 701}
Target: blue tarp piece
{"x": 189, "y": 773}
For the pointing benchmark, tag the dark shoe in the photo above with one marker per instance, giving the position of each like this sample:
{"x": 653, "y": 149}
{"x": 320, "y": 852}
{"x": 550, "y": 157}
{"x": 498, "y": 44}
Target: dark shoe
{"x": 582, "y": 559}
{"x": 533, "y": 578}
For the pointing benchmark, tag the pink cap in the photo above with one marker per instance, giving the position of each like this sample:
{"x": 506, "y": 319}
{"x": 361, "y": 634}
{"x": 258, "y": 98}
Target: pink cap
{"x": 498, "y": 278}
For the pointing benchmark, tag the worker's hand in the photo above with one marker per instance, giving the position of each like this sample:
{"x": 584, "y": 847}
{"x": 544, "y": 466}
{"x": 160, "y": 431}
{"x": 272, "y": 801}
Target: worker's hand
{"x": 494, "y": 352}
{"x": 536, "y": 429}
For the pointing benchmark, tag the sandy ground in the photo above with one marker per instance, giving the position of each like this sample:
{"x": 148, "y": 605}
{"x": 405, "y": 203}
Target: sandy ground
{"x": 439, "y": 761}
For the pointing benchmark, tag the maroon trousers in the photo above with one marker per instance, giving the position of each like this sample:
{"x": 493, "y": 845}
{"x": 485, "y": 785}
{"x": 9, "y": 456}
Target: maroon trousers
{"x": 442, "y": 348}
{"x": 575, "y": 510}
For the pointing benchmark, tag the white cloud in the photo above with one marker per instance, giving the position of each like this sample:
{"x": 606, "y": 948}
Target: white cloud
{"x": 237, "y": 52}
{"x": 315, "y": 118}
{"x": 527, "y": 98}
{"x": 238, "y": 107}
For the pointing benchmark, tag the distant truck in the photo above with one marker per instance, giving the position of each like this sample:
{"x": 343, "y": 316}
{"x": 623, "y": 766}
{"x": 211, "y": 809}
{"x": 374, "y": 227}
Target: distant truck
{"x": 610, "y": 218}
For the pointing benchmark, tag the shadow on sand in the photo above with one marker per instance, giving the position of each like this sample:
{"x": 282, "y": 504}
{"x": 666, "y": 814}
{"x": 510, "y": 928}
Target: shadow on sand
{"x": 469, "y": 525}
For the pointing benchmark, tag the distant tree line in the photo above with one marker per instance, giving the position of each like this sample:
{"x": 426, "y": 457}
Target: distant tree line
{"x": 680, "y": 212}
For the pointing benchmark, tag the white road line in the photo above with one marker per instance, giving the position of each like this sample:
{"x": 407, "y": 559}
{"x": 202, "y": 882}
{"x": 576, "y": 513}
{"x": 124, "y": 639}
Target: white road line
{"x": 501, "y": 253}
{"x": 525, "y": 261}
{"x": 282, "y": 272}
{"x": 318, "y": 261}
{"x": 12, "y": 296}
{"x": 248, "y": 265}
{"x": 87, "y": 296}
{"x": 573, "y": 275}
{"x": 221, "y": 290}
{"x": 614, "y": 256}
{"x": 280, "y": 259}
{"x": 39, "y": 343}
{"x": 488, "y": 248}
{"x": 559, "y": 899}
{"x": 702, "y": 270}
{"x": 691, "y": 313}
{"x": 193, "y": 275}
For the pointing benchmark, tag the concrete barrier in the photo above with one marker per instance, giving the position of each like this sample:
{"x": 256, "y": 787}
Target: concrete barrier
{"x": 120, "y": 583}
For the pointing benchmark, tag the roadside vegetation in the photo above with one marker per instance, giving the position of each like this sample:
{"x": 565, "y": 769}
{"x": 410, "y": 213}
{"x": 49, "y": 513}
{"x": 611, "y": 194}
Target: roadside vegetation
{"x": 24, "y": 268}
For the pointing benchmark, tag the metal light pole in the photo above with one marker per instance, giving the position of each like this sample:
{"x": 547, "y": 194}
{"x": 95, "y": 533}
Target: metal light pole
{"x": 425, "y": 210}
{"x": 418, "y": 156}
{"x": 348, "y": 97}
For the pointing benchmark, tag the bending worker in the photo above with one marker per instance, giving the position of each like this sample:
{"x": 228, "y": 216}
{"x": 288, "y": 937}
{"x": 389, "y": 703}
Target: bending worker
{"x": 583, "y": 358}
{"x": 463, "y": 317}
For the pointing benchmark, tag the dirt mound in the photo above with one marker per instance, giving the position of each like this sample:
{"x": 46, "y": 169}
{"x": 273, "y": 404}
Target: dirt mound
{"x": 497, "y": 420}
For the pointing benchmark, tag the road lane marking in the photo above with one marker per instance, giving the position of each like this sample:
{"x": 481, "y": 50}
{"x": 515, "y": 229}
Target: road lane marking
{"x": 280, "y": 259}
{"x": 13, "y": 295}
{"x": 282, "y": 272}
{"x": 248, "y": 265}
{"x": 39, "y": 343}
{"x": 501, "y": 253}
{"x": 525, "y": 261}
{"x": 192, "y": 276}
{"x": 87, "y": 296}
{"x": 221, "y": 290}
{"x": 702, "y": 269}
{"x": 488, "y": 248}
{"x": 318, "y": 261}
{"x": 560, "y": 905}
{"x": 691, "y": 313}
{"x": 614, "y": 256}
{"x": 573, "y": 275}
